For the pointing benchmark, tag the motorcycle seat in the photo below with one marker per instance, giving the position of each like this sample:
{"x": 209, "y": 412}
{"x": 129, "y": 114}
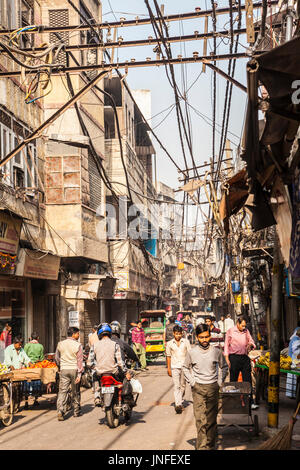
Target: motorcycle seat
{"x": 109, "y": 379}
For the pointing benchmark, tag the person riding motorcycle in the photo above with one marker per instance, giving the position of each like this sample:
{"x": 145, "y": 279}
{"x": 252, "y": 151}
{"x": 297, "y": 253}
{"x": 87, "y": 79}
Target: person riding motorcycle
{"x": 107, "y": 359}
{"x": 126, "y": 351}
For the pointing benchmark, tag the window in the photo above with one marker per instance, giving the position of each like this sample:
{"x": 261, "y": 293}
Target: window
{"x": 8, "y": 10}
{"x": 59, "y": 18}
{"x": 26, "y": 19}
{"x": 15, "y": 172}
{"x": 89, "y": 56}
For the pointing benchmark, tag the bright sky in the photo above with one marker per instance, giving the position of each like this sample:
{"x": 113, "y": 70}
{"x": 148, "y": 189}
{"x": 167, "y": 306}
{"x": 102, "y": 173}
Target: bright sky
{"x": 189, "y": 76}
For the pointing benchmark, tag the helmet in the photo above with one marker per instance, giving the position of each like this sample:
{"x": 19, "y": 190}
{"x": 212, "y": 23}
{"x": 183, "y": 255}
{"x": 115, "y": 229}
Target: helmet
{"x": 104, "y": 328}
{"x": 115, "y": 328}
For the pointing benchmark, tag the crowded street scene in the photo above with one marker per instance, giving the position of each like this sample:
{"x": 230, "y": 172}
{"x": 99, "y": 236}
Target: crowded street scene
{"x": 150, "y": 194}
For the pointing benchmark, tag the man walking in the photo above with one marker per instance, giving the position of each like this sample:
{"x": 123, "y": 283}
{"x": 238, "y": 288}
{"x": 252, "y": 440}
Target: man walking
{"x": 238, "y": 343}
{"x": 168, "y": 331}
{"x": 69, "y": 358}
{"x": 176, "y": 350}
{"x": 201, "y": 372}
{"x": 229, "y": 323}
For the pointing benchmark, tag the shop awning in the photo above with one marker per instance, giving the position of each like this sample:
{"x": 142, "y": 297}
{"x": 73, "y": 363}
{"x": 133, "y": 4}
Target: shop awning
{"x": 267, "y": 143}
{"x": 90, "y": 287}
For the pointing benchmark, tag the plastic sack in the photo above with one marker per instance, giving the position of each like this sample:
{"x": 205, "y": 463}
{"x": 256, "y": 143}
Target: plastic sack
{"x": 136, "y": 386}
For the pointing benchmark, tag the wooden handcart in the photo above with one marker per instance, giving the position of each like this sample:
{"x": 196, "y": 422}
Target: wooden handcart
{"x": 38, "y": 378}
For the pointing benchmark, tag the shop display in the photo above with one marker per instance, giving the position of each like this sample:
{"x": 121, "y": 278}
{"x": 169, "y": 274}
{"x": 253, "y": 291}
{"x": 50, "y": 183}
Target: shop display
{"x": 43, "y": 365}
{"x": 3, "y": 369}
{"x": 285, "y": 361}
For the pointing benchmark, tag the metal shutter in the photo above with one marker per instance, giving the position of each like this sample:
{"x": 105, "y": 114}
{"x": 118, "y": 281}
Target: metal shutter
{"x": 95, "y": 184}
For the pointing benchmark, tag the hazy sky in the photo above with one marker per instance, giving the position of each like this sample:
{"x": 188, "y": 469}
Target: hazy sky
{"x": 189, "y": 76}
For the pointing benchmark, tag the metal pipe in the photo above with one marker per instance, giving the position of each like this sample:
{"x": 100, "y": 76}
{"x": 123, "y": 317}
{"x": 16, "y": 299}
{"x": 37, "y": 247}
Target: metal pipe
{"x": 136, "y": 22}
{"x": 126, "y": 65}
{"x": 139, "y": 42}
{"x": 289, "y": 26}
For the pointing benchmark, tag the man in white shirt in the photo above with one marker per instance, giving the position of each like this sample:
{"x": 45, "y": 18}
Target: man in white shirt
{"x": 229, "y": 323}
{"x": 176, "y": 351}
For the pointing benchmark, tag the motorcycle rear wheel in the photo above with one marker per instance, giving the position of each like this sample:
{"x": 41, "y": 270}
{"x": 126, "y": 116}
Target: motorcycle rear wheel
{"x": 112, "y": 417}
{"x": 128, "y": 415}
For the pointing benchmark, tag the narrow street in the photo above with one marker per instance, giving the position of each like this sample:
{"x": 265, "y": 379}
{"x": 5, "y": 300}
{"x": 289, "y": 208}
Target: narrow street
{"x": 154, "y": 424}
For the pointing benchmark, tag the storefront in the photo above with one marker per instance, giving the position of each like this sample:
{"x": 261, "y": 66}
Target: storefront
{"x": 39, "y": 271}
{"x": 12, "y": 289}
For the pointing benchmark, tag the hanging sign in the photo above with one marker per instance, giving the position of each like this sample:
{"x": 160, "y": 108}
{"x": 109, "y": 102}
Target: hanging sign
{"x": 74, "y": 318}
{"x": 10, "y": 228}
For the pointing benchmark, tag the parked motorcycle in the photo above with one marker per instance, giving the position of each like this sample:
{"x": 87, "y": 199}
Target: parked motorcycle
{"x": 116, "y": 399}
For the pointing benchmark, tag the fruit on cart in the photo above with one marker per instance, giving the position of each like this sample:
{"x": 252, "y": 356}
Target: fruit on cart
{"x": 43, "y": 365}
{"x": 285, "y": 361}
{"x": 3, "y": 369}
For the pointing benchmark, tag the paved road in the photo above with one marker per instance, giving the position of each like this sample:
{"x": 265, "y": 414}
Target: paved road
{"x": 154, "y": 424}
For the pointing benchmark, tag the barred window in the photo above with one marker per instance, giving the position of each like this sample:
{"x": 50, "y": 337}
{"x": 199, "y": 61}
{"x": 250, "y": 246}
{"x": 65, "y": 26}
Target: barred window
{"x": 59, "y": 18}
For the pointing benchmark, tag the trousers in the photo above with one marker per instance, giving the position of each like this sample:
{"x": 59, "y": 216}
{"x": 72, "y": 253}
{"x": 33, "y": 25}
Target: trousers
{"x": 179, "y": 385}
{"x": 206, "y": 399}
{"x": 240, "y": 363}
{"x": 67, "y": 379}
{"x": 140, "y": 351}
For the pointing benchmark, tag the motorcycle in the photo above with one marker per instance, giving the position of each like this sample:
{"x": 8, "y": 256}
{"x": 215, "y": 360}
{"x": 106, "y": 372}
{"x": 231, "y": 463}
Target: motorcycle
{"x": 87, "y": 375}
{"x": 115, "y": 401}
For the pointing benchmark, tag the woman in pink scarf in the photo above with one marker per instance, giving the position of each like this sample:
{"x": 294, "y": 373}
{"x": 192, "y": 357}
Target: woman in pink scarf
{"x": 139, "y": 344}
{"x": 5, "y": 339}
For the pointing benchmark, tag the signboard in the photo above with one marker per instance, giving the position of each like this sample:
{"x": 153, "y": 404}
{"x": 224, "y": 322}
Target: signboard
{"x": 36, "y": 266}
{"x": 180, "y": 265}
{"x": 120, "y": 295}
{"x": 74, "y": 318}
{"x": 122, "y": 280}
{"x": 238, "y": 298}
{"x": 10, "y": 229}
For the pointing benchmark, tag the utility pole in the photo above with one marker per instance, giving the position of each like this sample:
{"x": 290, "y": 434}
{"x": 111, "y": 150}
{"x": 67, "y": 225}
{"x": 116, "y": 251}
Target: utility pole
{"x": 276, "y": 307}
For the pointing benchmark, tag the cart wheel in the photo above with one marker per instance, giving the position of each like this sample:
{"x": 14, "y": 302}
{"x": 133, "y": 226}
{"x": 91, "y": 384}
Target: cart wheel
{"x": 256, "y": 425}
{"x": 7, "y": 410}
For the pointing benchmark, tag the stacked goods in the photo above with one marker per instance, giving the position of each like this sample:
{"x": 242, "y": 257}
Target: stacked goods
{"x": 285, "y": 361}
{"x": 3, "y": 369}
{"x": 43, "y": 365}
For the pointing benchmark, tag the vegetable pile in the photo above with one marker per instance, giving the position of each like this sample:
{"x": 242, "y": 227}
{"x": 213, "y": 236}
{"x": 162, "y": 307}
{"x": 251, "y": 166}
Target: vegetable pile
{"x": 43, "y": 365}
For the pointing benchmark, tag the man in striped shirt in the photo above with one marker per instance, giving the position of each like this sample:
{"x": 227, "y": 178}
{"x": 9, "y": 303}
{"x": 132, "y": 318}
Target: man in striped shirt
{"x": 216, "y": 335}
